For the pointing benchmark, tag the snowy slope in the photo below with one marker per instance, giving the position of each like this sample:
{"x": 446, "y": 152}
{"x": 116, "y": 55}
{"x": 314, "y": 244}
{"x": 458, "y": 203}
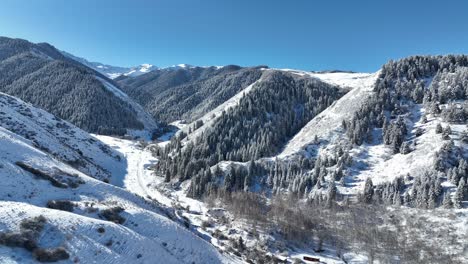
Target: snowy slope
{"x": 147, "y": 121}
{"x": 113, "y": 71}
{"x": 378, "y": 162}
{"x": 59, "y": 138}
{"x": 145, "y": 236}
{"x": 139, "y": 177}
{"x": 135, "y": 71}
{"x": 327, "y": 123}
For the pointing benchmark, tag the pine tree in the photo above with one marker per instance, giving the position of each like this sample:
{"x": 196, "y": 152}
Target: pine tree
{"x": 459, "y": 194}
{"x": 368, "y": 191}
{"x": 405, "y": 148}
{"x": 439, "y": 128}
{"x": 447, "y": 202}
{"x": 331, "y": 193}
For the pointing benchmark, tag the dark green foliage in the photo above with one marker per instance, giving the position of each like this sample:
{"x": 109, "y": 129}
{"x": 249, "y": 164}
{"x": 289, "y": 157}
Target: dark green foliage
{"x": 50, "y": 254}
{"x": 188, "y": 93}
{"x": 368, "y": 191}
{"x": 394, "y": 134}
{"x": 41, "y": 174}
{"x": 113, "y": 215}
{"x": 41, "y": 75}
{"x": 57, "y": 178}
{"x": 63, "y": 205}
{"x": 34, "y": 225}
{"x": 30, "y": 230}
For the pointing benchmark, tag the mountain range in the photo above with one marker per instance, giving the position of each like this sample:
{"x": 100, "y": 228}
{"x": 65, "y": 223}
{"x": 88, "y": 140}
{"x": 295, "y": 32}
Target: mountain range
{"x": 191, "y": 164}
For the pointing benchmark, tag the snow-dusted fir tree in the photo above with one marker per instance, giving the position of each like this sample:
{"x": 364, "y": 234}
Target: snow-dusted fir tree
{"x": 368, "y": 191}
{"x": 459, "y": 194}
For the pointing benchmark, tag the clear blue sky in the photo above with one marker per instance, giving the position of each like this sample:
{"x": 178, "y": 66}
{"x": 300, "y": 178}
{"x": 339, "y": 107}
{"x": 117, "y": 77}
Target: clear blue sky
{"x": 304, "y": 34}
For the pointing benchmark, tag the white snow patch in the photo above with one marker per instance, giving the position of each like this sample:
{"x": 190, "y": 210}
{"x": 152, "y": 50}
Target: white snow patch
{"x": 327, "y": 124}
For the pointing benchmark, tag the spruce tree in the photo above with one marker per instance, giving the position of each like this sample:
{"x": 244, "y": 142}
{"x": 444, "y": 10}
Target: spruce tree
{"x": 368, "y": 191}
{"x": 447, "y": 202}
{"x": 459, "y": 194}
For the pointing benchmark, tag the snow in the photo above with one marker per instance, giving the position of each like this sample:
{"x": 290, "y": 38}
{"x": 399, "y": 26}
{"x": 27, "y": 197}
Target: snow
{"x": 113, "y": 72}
{"x": 59, "y": 138}
{"x": 138, "y": 177}
{"x": 378, "y": 161}
{"x": 146, "y": 231}
{"x": 148, "y": 122}
{"x": 143, "y": 232}
{"x": 327, "y": 124}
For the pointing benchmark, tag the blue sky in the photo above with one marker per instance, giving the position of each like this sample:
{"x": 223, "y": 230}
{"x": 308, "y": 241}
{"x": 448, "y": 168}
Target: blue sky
{"x": 303, "y": 34}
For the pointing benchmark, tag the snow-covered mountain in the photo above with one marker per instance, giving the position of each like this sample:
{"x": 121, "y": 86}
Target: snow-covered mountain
{"x": 258, "y": 165}
{"x": 397, "y": 137}
{"x": 43, "y": 76}
{"x": 114, "y": 71}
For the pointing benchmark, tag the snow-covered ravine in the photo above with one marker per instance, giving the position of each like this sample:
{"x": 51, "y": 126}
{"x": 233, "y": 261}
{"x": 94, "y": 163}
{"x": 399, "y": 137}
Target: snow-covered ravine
{"x": 138, "y": 177}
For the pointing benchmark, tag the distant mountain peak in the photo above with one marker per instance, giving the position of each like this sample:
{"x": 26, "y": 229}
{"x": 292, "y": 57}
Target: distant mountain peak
{"x": 114, "y": 71}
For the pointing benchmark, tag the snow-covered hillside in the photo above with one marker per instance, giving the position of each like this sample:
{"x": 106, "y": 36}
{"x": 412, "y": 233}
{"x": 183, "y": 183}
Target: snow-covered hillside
{"x": 329, "y": 121}
{"x": 97, "y": 221}
{"x": 59, "y": 138}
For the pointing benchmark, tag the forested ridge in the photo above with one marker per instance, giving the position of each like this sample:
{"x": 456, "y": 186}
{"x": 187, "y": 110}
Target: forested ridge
{"x": 41, "y": 75}
{"x": 174, "y": 94}
{"x": 261, "y": 123}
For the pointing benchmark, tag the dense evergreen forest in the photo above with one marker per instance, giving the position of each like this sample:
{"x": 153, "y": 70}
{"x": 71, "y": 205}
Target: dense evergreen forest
{"x": 188, "y": 93}
{"x": 41, "y": 75}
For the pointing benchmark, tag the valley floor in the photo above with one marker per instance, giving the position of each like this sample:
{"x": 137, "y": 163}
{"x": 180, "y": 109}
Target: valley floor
{"x": 139, "y": 179}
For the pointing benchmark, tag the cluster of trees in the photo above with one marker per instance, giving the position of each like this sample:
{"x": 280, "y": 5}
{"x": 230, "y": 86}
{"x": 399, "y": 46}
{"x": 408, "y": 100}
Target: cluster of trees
{"x": 455, "y": 112}
{"x": 448, "y": 86}
{"x": 39, "y": 74}
{"x": 189, "y": 93}
{"x": 403, "y": 82}
{"x": 259, "y": 126}
{"x": 394, "y": 135}
{"x": 424, "y": 192}
{"x": 399, "y": 85}
{"x": 237, "y": 178}
{"x": 280, "y": 105}
{"x": 302, "y": 178}
{"x": 266, "y": 117}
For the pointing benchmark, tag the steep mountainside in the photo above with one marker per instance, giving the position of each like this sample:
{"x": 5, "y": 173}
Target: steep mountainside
{"x": 328, "y": 157}
{"x": 53, "y": 208}
{"x": 265, "y": 116}
{"x": 41, "y": 75}
{"x": 187, "y": 92}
